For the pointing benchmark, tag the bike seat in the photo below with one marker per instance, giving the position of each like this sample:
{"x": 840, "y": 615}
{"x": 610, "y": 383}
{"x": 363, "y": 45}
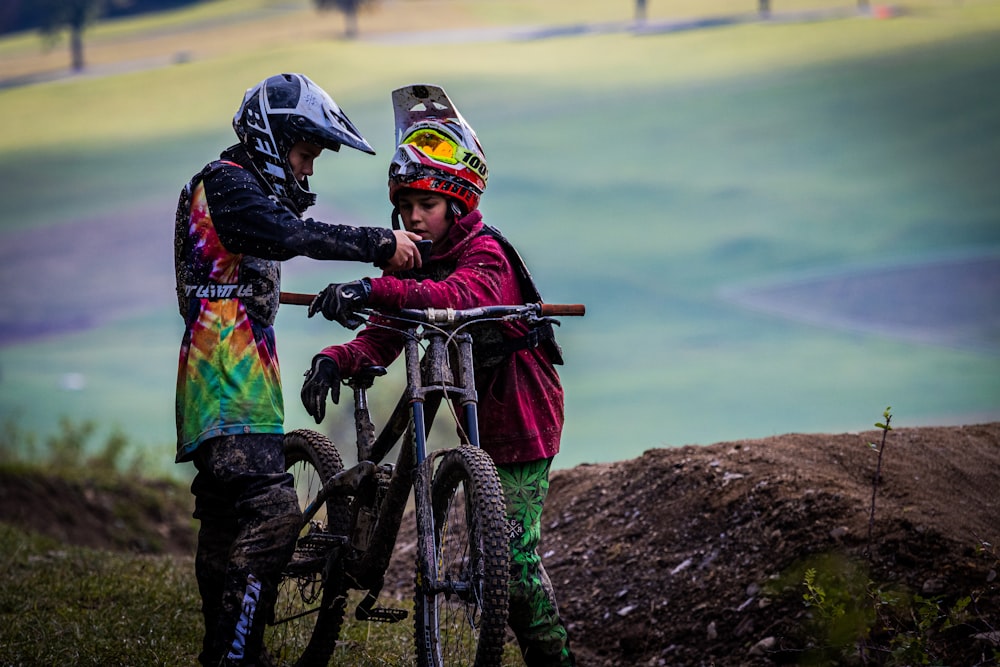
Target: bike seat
{"x": 366, "y": 376}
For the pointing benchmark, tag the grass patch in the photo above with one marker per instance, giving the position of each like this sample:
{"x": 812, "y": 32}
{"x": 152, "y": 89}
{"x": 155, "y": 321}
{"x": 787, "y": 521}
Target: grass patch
{"x": 638, "y": 175}
{"x": 66, "y": 605}
{"x": 365, "y": 644}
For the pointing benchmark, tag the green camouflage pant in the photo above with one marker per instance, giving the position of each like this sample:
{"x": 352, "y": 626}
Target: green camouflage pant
{"x": 534, "y": 616}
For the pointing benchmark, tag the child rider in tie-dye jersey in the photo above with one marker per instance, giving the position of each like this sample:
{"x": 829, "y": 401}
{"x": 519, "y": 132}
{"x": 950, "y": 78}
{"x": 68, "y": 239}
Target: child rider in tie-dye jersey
{"x": 435, "y": 182}
{"x": 236, "y": 220}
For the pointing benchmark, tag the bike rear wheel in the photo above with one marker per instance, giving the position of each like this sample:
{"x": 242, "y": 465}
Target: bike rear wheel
{"x": 461, "y": 620}
{"x": 311, "y": 597}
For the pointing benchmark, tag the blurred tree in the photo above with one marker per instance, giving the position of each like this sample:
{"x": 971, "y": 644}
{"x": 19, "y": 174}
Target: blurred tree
{"x": 72, "y": 15}
{"x": 350, "y": 10}
{"x": 18, "y": 15}
{"x": 640, "y": 10}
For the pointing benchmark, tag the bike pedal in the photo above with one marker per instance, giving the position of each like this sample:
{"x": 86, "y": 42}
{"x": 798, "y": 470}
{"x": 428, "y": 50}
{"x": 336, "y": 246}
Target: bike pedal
{"x": 312, "y": 552}
{"x": 381, "y": 614}
{"x": 317, "y": 541}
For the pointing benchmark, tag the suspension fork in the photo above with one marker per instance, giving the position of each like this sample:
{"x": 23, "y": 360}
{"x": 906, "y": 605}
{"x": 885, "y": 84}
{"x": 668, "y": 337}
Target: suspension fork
{"x": 437, "y": 380}
{"x": 467, "y": 395}
{"x": 435, "y": 360}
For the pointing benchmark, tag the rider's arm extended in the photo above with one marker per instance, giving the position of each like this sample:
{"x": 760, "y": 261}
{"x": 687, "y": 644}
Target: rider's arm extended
{"x": 249, "y": 222}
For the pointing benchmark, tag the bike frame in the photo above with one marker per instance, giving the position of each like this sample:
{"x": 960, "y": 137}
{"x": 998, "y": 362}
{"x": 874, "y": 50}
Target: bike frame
{"x": 429, "y": 380}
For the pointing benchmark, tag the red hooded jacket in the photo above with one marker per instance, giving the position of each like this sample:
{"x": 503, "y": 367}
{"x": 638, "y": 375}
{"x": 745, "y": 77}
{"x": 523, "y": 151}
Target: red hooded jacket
{"x": 521, "y": 399}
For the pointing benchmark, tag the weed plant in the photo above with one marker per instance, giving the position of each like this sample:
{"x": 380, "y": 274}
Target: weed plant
{"x": 857, "y": 620}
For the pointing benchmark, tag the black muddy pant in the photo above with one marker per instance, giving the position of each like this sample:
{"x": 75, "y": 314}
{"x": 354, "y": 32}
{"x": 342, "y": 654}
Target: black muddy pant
{"x": 249, "y": 517}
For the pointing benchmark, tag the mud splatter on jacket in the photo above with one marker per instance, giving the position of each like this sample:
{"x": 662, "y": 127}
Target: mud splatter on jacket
{"x": 520, "y": 400}
{"x": 229, "y": 238}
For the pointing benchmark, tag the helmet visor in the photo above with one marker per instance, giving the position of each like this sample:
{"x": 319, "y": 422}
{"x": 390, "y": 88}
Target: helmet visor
{"x": 434, "y": 145}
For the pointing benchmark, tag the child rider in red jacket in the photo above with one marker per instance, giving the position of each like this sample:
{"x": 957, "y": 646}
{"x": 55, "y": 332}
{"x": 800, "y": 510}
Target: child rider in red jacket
{"x": 435, "y": 181}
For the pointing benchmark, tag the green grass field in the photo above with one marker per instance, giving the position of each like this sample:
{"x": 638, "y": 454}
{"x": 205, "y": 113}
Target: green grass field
{"x": 640, "y": 175}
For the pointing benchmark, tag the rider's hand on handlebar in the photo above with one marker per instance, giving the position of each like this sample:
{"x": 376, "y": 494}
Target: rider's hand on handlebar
{"x": 322, "y": 377}
{"x": 342, "y": 301}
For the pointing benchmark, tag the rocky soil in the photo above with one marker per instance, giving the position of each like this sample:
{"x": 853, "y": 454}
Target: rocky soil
{"x": 696, "y": 556}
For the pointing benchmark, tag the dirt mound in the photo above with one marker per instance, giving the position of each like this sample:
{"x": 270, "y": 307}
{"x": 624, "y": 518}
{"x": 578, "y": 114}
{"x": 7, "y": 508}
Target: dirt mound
{"x": 115, "y": 514}
{"x": 697, "y": 555}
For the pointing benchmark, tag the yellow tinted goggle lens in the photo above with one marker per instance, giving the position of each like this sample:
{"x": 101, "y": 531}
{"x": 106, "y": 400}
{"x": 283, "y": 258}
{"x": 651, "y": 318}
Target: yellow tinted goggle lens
{"x": 434, "y": 145}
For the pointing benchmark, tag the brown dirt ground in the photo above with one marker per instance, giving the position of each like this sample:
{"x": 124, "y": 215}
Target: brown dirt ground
{"x": 696, "y": 555}
{"x": 689, "y": 556}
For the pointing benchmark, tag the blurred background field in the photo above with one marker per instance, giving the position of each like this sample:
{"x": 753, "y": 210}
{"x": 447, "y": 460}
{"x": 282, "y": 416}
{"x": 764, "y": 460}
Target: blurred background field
{"x": 777, "y": 226}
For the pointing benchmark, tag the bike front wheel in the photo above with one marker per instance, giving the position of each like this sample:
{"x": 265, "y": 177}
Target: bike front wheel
{"x": 311, "y": 596}
{"x": 461, "y": 597}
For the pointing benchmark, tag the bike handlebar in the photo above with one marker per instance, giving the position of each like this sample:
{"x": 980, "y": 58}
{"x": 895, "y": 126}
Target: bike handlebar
{"x": 448, "y": 316}
{"x": 455, "y": 316}
{"x": 296, "y": 298}
{"x": 563, "y": 309}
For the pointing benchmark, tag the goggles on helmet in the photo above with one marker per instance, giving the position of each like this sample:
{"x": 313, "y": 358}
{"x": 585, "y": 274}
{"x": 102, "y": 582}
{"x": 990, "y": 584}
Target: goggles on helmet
{"x": 434, "y": 145}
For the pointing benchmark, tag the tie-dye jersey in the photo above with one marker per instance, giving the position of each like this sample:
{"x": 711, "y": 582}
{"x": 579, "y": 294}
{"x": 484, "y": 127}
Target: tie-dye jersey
{"x": 230, "y": 237}
{"x": 228, "y": 379}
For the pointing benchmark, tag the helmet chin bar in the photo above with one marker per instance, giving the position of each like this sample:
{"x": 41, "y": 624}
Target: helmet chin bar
{"x": 301, "y": 196}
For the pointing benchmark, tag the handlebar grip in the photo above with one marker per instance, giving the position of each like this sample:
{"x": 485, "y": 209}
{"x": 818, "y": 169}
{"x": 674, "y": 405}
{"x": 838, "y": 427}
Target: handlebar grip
{"x": 563, "y": 310}
{"x": 296, "y": 298}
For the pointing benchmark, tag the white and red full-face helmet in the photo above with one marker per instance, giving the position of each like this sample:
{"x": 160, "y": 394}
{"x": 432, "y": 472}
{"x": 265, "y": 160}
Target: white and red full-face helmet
{"x": 438, "y": 151}
{"x": 281, "y": 111}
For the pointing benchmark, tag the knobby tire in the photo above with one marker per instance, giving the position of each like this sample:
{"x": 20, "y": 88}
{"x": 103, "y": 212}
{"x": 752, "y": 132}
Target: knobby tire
{"x": 466, "y": 625}
{"x": 309, "y": 586}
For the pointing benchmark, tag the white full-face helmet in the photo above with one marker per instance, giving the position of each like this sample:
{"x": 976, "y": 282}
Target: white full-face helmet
{"x": 281, "y": 111}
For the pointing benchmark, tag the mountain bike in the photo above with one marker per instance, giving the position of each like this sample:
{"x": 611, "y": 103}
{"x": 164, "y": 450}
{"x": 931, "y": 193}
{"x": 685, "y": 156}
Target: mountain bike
{"x": 352, "y": 516}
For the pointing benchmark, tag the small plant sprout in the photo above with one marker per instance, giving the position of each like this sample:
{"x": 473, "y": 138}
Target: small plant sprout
{"x": 886, "y": 427}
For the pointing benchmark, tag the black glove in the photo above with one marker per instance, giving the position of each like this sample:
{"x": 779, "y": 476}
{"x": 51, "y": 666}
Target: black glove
{"x": 342, "y": 301}
{"x": 323, "y": 377}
